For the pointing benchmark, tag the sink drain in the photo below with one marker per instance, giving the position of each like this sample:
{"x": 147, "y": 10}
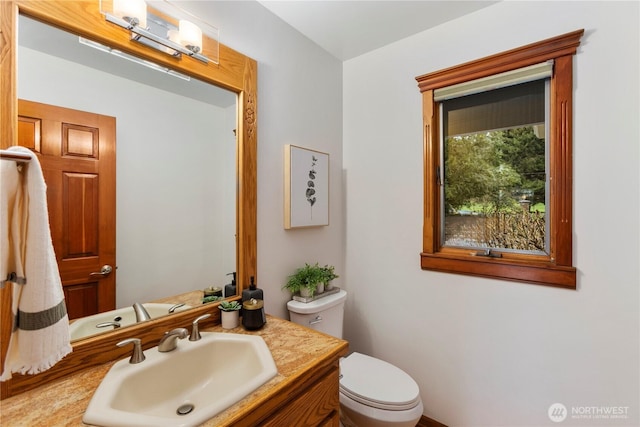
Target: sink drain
{"x": 185, "y": 409}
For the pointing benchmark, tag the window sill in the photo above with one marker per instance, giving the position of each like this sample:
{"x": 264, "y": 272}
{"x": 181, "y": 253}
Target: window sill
{"x": 544, "y": 273}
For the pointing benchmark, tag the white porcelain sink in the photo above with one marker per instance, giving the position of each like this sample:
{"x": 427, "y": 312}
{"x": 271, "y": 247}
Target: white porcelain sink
{"x": 86, "y": 326}
{"x": 208, "y": 375}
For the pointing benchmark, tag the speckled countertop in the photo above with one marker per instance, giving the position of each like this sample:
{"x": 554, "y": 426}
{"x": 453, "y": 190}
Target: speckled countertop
{"x": 63, "y": 402}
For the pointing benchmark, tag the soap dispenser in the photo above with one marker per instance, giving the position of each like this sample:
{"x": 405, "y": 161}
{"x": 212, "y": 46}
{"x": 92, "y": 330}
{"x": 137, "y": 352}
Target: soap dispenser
{"x": 230, "y": 289}
{"x": 253, "y": 292}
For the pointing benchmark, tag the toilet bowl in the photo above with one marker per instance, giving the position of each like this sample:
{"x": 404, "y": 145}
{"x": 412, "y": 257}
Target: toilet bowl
{"x": 373, "y": 393}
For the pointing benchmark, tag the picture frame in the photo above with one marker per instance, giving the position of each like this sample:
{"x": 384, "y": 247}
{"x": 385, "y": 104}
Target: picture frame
{"x": 306, "y": 187}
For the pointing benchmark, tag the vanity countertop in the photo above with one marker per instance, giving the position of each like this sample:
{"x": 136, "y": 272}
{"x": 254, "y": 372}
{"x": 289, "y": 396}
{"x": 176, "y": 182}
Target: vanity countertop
{"x": 295, "y": 349}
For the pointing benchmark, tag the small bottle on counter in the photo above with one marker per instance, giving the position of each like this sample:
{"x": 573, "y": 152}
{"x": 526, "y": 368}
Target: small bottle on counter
{"x": 253, "y": 316}
{"x": 253, "y": 291}
{"x": 230, "y": 289}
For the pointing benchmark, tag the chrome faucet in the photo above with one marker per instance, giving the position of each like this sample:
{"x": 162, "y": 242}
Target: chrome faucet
{"x": 141, "y": 312}
{"x": 169, "y": 340}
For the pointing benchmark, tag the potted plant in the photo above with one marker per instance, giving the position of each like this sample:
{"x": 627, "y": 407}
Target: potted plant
{"x": 329, "y": 274}
{"x": 305, "y": 280}
{"x": 230, "y": 314}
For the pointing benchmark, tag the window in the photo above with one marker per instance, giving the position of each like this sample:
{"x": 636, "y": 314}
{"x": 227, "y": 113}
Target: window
{"x": 498, "y": 165}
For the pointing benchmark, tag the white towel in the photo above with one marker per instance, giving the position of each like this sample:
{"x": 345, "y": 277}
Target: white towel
{"x": 40, "y": 336}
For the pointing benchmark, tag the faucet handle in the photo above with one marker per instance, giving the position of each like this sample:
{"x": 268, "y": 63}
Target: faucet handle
{"x": 175, "y": 307}
{"x": 195, "y": 332}
{"x": 115, "y": 325}
{"x": 138, "y": 355}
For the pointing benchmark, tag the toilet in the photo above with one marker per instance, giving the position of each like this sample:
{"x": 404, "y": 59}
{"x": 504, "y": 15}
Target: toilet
{"x": 373, "y": 393}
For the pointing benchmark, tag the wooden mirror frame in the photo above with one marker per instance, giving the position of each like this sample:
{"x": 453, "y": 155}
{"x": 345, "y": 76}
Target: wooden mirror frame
{"x": 235, "y": 72}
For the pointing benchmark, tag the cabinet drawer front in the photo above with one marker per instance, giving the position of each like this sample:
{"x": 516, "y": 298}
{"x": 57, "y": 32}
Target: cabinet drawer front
{"x": 317, "y": 406}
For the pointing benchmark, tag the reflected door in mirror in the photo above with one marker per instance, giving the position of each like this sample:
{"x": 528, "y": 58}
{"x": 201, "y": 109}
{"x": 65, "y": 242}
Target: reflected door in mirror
{"x": 76, "y": 150}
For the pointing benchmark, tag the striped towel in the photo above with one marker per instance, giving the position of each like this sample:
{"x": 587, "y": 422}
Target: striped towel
{"x": 40, "y": 336}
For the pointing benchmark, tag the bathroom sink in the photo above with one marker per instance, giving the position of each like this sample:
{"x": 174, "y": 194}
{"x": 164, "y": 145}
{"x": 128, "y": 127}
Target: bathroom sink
{"x": 86, "y": 326}
{"x": 198, "y": 378}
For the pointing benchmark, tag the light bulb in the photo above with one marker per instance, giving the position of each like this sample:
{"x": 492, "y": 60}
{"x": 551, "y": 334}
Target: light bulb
{"x": 174, "y": 36}
{"x": 130, "y": 10}
{"x": 190, "y": 36}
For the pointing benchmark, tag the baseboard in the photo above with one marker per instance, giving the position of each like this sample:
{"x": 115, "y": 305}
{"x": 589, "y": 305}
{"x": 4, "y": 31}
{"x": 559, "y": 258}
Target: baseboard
{"x": 428, "y": 422}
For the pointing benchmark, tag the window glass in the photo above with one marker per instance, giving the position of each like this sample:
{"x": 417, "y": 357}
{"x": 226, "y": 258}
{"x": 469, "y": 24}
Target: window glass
{"x": 494, "y": 185}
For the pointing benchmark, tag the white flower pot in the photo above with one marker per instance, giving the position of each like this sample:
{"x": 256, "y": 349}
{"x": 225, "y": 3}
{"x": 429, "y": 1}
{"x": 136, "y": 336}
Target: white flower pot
{"x": 328, "y": 286}
{"x": 320, "y": 288}
{"x": 306, "y": 292}
{"x": 230, "y": 319}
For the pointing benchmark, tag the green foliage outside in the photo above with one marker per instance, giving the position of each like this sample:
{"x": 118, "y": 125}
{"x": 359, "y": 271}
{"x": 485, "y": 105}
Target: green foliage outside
{"x": 491, "y": 171}
{"x": 489, "y": 174}
{"x": 477, "y": 207}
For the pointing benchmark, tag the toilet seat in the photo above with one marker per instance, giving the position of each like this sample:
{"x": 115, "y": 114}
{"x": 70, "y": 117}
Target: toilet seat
{"x": 378, "y": 384}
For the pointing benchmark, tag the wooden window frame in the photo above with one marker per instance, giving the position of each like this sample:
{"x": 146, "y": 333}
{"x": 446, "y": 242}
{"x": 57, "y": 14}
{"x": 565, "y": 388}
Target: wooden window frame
{"x": 557, "y": 268}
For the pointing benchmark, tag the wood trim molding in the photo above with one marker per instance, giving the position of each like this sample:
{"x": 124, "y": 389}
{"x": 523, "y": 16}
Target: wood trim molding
{"x": 235, "y": 72}
{"x": 429, "y": 422}
{"x": 541, "y": 274}
{"x": 8, "y": 130}
{"x": 534, "y": 53}
{"x": 561, "y": 167}
{"x": 247, "y": 198}
{"x": 431, "y": 154}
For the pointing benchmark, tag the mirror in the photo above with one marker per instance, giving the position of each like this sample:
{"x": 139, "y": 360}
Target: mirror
{"x": 235, "y": 72}
{"x": 175, "y": 159}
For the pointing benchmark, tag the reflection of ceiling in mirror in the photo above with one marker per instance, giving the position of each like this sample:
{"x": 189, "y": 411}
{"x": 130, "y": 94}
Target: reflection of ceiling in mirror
{"x": 38, "y": 36}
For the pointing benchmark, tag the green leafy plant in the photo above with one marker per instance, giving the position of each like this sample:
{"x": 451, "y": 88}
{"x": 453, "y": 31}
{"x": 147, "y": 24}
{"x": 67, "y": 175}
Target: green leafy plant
{"x": 211, "y": 298}
{"x": 229, "y": 306}
{"x": 328, "y": 272}
{"x": 308, "y": 276}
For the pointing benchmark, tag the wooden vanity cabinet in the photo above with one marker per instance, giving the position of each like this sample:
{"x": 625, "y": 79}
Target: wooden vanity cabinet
{"x": 317, "y": 405}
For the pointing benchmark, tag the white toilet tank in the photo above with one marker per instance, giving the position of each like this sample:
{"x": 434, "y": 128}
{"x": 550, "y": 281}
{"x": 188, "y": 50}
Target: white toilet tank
{"x": 324, "y": 314}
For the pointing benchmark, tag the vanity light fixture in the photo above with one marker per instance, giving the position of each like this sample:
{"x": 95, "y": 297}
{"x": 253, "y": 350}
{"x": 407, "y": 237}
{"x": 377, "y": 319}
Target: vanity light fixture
{"x": 156, "y": 32}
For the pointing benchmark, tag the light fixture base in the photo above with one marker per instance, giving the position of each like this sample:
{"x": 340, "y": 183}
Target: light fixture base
{"x": 148, "y": 38}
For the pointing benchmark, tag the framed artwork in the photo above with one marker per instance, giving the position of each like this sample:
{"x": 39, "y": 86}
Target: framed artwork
{"x": 306, "y": 187}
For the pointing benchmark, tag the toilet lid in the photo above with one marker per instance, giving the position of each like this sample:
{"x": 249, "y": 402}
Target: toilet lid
{"x": 376, "y": 383}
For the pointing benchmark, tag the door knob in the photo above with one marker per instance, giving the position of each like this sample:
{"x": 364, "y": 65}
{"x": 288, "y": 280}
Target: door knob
{"x": 104, "y": 271}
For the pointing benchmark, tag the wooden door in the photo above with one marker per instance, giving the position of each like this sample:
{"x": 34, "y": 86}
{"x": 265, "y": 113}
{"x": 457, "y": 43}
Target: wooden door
{"x": 76, "y": 150}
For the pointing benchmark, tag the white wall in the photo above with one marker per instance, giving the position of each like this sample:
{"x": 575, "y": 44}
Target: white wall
{"x": 175, "y": 210}
{"x": 490, "y": 352}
